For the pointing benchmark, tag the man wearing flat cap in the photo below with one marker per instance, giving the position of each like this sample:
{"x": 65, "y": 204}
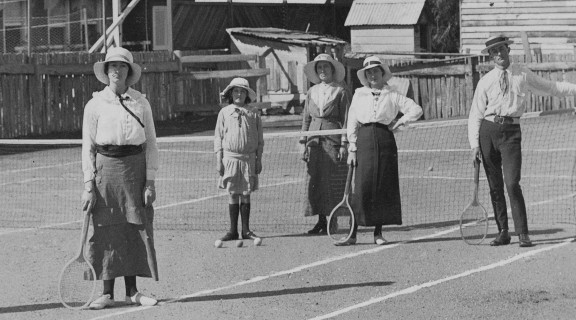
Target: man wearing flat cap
{"x": 495, "y": 136}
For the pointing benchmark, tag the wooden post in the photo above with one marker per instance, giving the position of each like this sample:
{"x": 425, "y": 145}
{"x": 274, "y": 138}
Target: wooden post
{"x": 85, "y": 26}
{"x": 526, "y": 44}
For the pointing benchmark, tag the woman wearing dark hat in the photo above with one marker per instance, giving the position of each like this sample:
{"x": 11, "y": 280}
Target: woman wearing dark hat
{"x": 119, "y": 161}
{"x": 326, "y": 108}
{"x": 375, "y": 197}
{"x": 239, "y": 143}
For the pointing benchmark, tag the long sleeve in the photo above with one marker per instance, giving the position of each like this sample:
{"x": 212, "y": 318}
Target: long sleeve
{"x": 344, "y": 108}
{"x": 477, "y": 110}
{"x": 152, "y": 160}
{"x": 411, "y": 110}
{"x": 89, "y": 126}
{"x": 352, "y": 124}
{"x": 543, "y": 87}
{"x": 306, "y": 117}
{"x": 219, "y": 132}
{"x": 260, "y": 149}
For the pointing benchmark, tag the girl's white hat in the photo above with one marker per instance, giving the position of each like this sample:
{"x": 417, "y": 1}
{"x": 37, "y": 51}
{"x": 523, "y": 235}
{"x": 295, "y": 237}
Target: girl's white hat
{"x": 240, "y": 83}
{"x": 122, "y": 55}
{"x": 373, "y": 62}
{"x": 312, "y": 75}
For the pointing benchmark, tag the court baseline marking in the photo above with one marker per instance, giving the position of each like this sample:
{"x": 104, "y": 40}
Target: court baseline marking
{"x": 350, "y": 256}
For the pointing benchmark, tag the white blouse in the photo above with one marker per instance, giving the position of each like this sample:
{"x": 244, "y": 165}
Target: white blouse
{"x": 383, "y": 108}
{"x": 106, "y": 122}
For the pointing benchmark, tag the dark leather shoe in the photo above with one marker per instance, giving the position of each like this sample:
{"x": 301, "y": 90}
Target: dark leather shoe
{"x": 319, "y": 228}
{"x": 502, "y": 239}
{"x": 524, "y": 240}
{"x": 230, "y": 236}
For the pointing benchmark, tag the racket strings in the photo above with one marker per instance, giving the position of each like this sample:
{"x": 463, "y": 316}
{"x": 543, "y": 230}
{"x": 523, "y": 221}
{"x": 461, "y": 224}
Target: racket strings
{"x": 340, "y": 224}
{"x": 77, "y": 284}
{"x": 474, "y": 224}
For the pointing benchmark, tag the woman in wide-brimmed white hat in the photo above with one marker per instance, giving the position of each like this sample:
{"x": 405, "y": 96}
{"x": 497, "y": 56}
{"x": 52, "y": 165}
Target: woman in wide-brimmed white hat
{"x": 119, "y": 161}
{"x": 326, "y": 108}
{"x": 239, "y": 143}
{"x": 375, "y": 198}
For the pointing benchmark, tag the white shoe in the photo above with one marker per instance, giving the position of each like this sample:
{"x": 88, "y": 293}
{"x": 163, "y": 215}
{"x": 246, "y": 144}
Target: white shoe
{"x": 141, "y": 299}
{"x": 102, "y": 302}
{"x": 379, "y": 240}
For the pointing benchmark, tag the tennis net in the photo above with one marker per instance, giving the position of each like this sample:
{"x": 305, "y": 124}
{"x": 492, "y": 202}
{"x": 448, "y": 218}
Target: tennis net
{"x": 41, "y": 180}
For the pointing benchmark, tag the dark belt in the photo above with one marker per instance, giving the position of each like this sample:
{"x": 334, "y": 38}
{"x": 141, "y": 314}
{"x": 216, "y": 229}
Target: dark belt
{"x": 502, "y": 120}
{"x": 115, "y": 151}
{"x": 375, "y": 124}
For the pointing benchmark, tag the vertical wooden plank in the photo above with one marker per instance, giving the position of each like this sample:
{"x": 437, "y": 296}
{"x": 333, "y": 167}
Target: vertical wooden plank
{"x": 425, "y": 97}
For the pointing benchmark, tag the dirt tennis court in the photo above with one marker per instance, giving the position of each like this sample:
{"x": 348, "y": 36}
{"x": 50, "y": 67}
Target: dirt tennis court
{"x": 424, "y": 273}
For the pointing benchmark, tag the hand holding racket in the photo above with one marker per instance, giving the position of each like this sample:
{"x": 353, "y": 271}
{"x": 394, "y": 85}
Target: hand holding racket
{"x": 474, "y": 219}
{"x": 341, "y": 220}
{"x": 77, "y": 283}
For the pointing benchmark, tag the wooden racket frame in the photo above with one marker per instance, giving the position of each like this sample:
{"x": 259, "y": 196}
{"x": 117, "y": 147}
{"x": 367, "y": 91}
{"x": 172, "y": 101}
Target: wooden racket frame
{"x": 344, "y": 202}
{"x": 475, "y": 203}
{"x": 80, "y": 257}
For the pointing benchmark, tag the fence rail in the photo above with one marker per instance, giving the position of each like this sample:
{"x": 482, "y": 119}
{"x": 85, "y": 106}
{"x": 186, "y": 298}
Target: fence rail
{"x": 46, "y": 93}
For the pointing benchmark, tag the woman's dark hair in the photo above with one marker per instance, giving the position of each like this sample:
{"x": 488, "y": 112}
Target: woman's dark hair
{"x": 331, "y": 67}
{"x": 230, "y": 100}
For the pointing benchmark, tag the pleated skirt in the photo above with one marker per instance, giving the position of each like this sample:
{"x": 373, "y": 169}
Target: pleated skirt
{"x": 123, "y": 226}
{"x": 375, "y": 197}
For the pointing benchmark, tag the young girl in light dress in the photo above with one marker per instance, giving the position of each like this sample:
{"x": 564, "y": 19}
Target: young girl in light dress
{"x": 238, "y": 144}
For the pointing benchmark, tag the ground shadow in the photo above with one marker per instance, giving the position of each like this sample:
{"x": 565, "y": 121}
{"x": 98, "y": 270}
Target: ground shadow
{"x": 274, "y": 293}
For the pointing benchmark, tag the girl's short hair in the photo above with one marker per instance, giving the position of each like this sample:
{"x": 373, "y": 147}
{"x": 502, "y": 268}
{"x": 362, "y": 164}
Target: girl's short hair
{"x": 230, "y": 100}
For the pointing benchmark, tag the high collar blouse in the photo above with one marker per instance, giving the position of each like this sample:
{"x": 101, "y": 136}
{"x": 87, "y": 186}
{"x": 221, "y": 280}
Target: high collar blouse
{"x": 106, "y": 122}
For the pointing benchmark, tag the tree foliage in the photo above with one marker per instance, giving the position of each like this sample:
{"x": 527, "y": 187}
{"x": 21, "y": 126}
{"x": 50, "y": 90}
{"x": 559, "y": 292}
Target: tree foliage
{"x": 445, "y": 16}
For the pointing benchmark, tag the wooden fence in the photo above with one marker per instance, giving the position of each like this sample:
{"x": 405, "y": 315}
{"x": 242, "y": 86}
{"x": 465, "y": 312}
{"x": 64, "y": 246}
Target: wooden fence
{"x": 46, "y": 93}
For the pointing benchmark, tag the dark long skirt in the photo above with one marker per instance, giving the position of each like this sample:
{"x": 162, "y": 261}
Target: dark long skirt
{"x": 118, "y": 246}
{"x": 375, "y": 196}
{"x": 326, "y": 178}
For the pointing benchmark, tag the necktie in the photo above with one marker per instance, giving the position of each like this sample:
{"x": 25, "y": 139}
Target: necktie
{"x": 504, "y": 82}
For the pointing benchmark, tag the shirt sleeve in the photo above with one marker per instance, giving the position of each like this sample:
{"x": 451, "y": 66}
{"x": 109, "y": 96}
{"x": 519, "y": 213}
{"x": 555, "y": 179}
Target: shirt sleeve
{"x": 89, "y": 126}
{"x": 260, "y": 149}
{"x": 411, "y": 110}
{"x": 219, "y": 132}
{"x": 152, "y": 159}
{"x": 306, "y": 118}
{"x": 543, "y": 87}
{"x": 352, "y": 125}
{"x": 344, "y": 106}
{"x": 479, "y": 103}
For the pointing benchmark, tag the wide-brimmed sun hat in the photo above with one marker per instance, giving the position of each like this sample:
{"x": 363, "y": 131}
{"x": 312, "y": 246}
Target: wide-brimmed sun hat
{"x": 373, "y": 62}
{"x": 312, "y": 75}
{"x": 240, "y": 83}
{"x": 495, "y": 41}
{"x": 122, "y": 55}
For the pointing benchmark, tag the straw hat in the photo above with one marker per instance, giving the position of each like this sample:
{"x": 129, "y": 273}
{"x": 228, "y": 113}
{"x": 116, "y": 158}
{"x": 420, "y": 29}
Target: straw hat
{"x": 122, "y": 55}
{"x": 312, "y": 75}
{"x": 240, "y": 83}
{"x": 372, "y": 62}
{"x": 495, "y": 41}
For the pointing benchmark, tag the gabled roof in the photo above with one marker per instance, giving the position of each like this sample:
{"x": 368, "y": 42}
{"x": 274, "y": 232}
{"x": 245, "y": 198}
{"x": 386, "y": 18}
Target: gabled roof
{"x": 384, "y": 12}
{"x": 287, "y": 36}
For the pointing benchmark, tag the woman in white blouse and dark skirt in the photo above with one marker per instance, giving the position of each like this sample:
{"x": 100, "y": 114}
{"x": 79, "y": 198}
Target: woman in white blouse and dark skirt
{"x": 119, "y": 161}
{"x": 326, "y": 108}
{"x": 375, "y": 197}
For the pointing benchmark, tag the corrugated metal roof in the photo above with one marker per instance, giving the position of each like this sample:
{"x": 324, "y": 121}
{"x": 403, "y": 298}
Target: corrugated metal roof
{"x": 287, "y": 36}
{"x": 384, "y": 12}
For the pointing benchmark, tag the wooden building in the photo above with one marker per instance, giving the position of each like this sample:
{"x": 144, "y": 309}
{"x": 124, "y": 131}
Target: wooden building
{"x": 389, "y": 25}
{"x": 547, "y": 25}
{"x": 284, "y": 53}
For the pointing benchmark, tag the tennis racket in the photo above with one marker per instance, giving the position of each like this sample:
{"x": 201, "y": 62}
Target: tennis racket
{"x": 77, "y": 283}
{"x": 341, "y": 219}
{"x": 474, "y": 219}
